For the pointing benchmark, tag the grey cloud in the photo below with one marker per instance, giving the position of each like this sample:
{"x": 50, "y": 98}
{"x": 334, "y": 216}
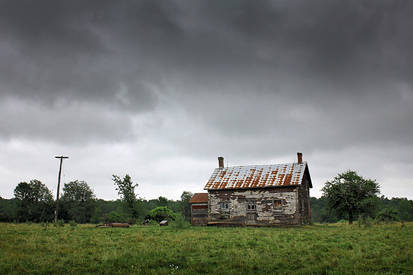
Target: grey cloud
{"x": 51, "y": 26}
{"x": 252, "y": 79}
{"x": 77, "y": 124}
{"x": 53, "y": 49}
{"x": 266, "y": 125}
{"x": 210, "y": 43}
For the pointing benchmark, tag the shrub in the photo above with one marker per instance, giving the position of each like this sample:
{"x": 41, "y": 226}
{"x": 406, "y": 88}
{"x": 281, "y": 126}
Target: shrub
{"x": 72, "y": 223}
{"x": 162, "y": 213}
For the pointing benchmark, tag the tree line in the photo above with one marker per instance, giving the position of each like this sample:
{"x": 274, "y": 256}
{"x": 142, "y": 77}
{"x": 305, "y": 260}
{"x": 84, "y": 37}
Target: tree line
{"x": 348, "y": 196}
{"x": 33, "y": 202}
{"x": 322, "y": 213}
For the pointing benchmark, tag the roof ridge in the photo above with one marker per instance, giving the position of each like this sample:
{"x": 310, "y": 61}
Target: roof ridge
{"x": 304, "y": 162}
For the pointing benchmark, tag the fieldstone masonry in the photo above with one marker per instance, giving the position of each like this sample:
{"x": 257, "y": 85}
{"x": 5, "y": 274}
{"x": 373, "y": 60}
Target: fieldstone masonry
{"x": 271, "y": 206}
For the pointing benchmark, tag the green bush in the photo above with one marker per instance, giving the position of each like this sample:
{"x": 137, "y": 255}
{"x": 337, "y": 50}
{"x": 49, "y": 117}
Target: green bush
{"x": 162, "y": 213}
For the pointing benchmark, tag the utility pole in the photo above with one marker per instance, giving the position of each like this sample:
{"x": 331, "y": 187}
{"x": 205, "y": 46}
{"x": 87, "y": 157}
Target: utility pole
{"x": 58, "y": 187}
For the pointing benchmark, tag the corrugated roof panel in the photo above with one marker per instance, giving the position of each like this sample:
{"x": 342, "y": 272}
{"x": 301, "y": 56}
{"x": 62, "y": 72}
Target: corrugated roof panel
{"x": 199, "y": 198}
{"x": 256, "y": 176}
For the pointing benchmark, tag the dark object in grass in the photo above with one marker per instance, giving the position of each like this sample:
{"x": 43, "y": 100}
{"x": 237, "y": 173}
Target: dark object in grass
{"x": 114, "y": 225}
{"x": 163, "y": 223}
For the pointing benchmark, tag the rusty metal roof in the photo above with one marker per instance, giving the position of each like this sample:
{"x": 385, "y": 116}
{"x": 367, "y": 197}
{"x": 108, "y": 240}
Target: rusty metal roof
{"x": 257, "y": 176}
{"x": 199, "y": 198}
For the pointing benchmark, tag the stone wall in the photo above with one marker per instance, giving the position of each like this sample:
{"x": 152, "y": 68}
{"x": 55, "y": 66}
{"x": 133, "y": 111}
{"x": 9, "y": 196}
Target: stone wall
{"x": 304, "y": 200}
{"x": 260, "y": 206}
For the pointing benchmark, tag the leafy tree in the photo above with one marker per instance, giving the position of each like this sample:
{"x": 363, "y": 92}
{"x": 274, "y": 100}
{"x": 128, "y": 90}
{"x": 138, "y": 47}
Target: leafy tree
{"x": 404, "y": 207}
{"x": 79, "y": 201}
{"x": 35, "y": 201}
{"x": 8, "y": 209}
{"x": 388, "y": 215}
{"x": 126, "y": 190}
{"x": 351, "y": 195}
{"x": 185, "y": 206}
{"x": 163, "y": 201}
{"x": 103, "y": 208}
{"x": 162, "y": 213}
{"x": 114, "y": 216}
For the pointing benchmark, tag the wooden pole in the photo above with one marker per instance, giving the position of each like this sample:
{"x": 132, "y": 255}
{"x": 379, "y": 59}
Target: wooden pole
{"x": 58, "y": 187}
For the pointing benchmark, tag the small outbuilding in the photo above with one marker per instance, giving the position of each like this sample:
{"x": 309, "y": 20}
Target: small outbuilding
{"x": 199, "y": 209}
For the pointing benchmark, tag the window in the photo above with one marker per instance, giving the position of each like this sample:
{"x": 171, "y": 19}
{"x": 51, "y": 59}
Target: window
{"x": 251, "y": 206}
{"x": 277, "y": 204}
{"x": 224, "y": 205}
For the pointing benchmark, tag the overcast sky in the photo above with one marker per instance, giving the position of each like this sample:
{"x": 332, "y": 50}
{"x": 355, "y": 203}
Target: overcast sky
{"x": 160, "y": 89}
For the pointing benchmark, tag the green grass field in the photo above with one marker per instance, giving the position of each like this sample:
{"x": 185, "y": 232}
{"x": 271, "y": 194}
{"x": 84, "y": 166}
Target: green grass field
{"x": 334, "y": 248}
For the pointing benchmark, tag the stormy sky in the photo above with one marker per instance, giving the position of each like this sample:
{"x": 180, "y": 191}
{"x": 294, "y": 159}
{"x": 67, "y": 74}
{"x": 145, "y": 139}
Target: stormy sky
{"x": 160, "y": 89}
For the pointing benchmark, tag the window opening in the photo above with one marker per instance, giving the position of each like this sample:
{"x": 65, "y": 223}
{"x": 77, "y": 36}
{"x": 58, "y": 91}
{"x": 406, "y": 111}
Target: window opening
{"x": 277, "y": 204}
{"x": 251, "y": 206}
{"x": 224, "y": 205}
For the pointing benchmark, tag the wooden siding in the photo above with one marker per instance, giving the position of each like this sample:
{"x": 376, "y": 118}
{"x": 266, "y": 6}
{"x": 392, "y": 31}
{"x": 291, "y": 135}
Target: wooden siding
{"x": 199, "y": 214}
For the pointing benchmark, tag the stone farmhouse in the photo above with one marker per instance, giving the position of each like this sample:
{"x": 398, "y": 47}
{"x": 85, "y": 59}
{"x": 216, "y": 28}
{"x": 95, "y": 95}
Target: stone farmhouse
{"x": 255, "y": 195}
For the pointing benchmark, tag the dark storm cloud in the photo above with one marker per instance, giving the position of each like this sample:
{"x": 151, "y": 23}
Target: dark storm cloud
{"x": 203, "y": 39}
{"x": 160, "y": 88}
{"x": 346, "y": 44}
{"x": 53, "y": 49}
{"x": 241, "y": 68}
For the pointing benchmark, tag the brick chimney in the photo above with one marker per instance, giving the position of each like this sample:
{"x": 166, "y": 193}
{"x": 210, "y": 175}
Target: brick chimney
{"x": 220, "y": 162}
{"x": 299, "y": 158}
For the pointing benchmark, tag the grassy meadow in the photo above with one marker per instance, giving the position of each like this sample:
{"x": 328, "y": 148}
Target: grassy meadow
{"x": 334, "y": 248}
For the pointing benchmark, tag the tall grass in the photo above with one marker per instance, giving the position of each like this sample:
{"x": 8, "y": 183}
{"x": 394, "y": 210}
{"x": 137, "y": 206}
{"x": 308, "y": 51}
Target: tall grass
{"x": 336, "y": 248}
